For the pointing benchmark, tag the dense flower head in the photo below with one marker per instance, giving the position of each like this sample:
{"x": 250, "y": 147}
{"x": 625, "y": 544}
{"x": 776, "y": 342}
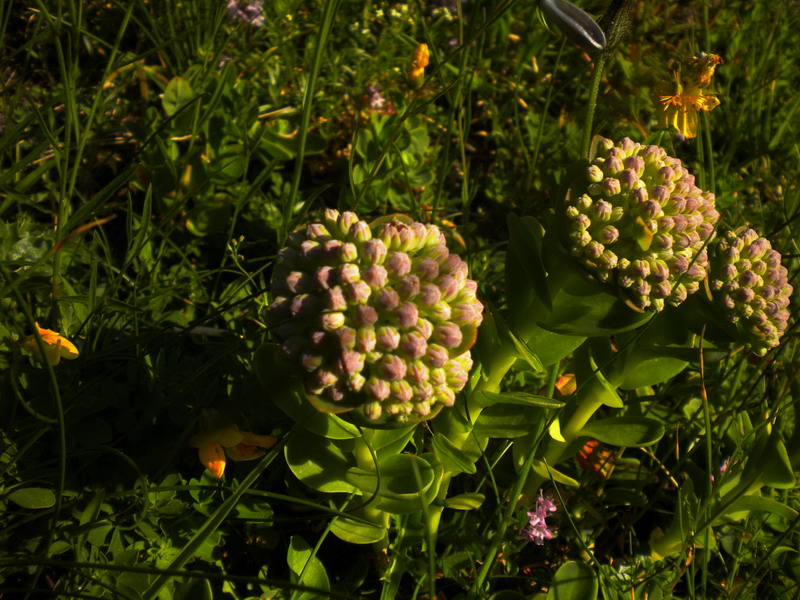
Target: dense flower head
{"x": 749, "y": 282}
{"x": 639, "y": 221}
{"x": 379, "y": 315}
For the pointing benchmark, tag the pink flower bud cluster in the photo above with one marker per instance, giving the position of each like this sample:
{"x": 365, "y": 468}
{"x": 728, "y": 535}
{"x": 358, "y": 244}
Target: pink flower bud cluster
{"x": 380, "y": 316}
{"x": 642, "y": 224}
{"x": 749, "y": 282}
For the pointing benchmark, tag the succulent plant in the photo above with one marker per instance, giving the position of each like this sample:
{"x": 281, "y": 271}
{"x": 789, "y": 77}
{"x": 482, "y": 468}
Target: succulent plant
{"x": 376, "y": 317}
{"x": 638, "y": 220}
{"x": 748, "y": 281}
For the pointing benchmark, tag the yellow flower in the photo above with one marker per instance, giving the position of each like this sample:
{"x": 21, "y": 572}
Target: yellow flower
{"x": 56, "y": 346}
{"x": 418, "y": 63}
{"x": 232, "y": 442}
{"x": 681, "y": 108}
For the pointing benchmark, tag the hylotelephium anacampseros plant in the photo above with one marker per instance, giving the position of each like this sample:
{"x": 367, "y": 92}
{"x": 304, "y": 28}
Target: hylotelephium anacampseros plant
{"x": 375, "y": 317}
{"x": 748, "y": 281}
{"x": 640, "y": 222}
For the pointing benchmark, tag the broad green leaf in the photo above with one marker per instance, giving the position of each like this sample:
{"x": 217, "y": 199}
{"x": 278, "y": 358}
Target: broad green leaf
{"x": 485, "y": 398}
{"x": 33, "y": 497}
{"x": 509, "y": 420}
{"x": 522, "y": 349}
{"x": 306, "y": 569}
{"x": 177, "y": 94}
{"x": 471, "y": 501}
{"x": 624, "y": 431}
{"x": 357, "y": 532}
{"x": 585, "y": 307}
{"x": 319, "y": 462}
{"x": 401, "y": 482}
{"x": 542, "y": 470}
{"x": 574, "y": 581}
{"x": 774, "y": 467}
{"x": 453, "y": 458}
{"x": 743, "y": 506}
{"x": 525, "y": 270}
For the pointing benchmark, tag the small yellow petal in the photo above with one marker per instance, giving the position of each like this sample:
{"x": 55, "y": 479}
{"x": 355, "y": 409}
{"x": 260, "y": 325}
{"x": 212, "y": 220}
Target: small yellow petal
{"x": 213, "y": 457}
{"x": 242, "y": 452}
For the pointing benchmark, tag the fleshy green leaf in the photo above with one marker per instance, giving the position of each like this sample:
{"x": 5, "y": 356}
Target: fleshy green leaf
{"x": 485, "y": 398}
{"x": 306, "y": 569}
{"x": 177, "y": 94}
{"x": 357, "y": 532}
{"x": 318, "y": 462}
{"x": 574, "y": 581}
{"x": 509, "y": 420}
{"x": 465, "y": 501}
{"x": 33, "y": 497}
{"x": 453, "y": 458}
{"x": 625, "y": 431}
{"x": 542, "y": 470}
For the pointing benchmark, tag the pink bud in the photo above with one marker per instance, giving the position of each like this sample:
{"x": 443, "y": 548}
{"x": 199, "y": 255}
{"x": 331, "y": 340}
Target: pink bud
{"x": 413, "y": 345}
{"x": 365, "y": 315}
{"x": 398, "y": 264}
{"x": 375, "y": 276}
{"x": 407, "y": 314}
{"x": 408, "y": 286}
{"x": 393, "y": 367}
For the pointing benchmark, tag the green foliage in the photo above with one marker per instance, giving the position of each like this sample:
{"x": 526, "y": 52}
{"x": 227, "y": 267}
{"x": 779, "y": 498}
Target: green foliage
{"x": 155, "y": 156}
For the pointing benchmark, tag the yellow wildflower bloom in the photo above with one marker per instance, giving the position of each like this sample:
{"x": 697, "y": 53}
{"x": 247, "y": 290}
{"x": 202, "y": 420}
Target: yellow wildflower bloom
{"x": 681, "y": 108}
{"x": 418, "y": 63}
{"x": 56, "y": 346}
{"x": 231, "y": 442}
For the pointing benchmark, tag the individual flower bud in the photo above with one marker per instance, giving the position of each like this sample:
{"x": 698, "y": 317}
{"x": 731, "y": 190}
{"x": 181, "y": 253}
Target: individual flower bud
{"x": 365, "y": 314}
{"x": 388, "y": 338}
{"x": 398, "y": 264}
{"x": 448, "y": 335}
{"x": 374, "y": 252}
{"x": 407, "y": 315}
{"x": 413, "y": 345}
{"x": 649, "y": 209}
{"x": 366, "y": 339}
{"x": 756, "y": 303}
{"x": 387, "y": 299}
{"x": 358, "y": 292}
{"x": 360, "y": 232}
{"x": 346, "y": 336}
{"x": 334, "y": 299}
{"x": 325, "y": 277}
{"x": 348, "y": 273}
{"x": 393, "y": 367}
{"x": 375, "y": 276}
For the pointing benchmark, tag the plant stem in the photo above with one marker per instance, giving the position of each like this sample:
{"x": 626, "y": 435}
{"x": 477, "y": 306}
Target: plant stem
{"x": 597, "y": 74}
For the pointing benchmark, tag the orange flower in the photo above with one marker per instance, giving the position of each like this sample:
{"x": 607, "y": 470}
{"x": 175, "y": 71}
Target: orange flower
{"x": 56, "y": 346}
{"x": 681, "y": 108}
{"x": 232, "y": 442}
{"x": 418, "y": 63}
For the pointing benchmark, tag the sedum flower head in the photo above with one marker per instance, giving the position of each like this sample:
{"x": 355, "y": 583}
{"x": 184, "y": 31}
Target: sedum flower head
{"x": 641, "y": 224}
{"x": 379, "y": 316}
{"x": 749, "y": 283}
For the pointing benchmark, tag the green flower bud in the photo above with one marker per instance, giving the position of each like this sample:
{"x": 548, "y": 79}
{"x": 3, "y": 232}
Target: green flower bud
{"x": 643, "y": 226}
{"x": 367, "y": 313}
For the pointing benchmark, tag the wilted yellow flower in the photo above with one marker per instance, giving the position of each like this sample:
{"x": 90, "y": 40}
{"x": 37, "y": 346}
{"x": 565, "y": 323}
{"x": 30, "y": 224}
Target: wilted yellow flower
{"x": 232, "y": 442}
{"x": 418, "y": 63}
{"x": 56, "y": 346}
{"x": 681, "y": 108}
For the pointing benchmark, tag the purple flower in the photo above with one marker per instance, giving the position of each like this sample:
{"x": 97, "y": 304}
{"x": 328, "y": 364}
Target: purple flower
{"x": 251, "y": 12}
{"x": 537, "y": 530}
